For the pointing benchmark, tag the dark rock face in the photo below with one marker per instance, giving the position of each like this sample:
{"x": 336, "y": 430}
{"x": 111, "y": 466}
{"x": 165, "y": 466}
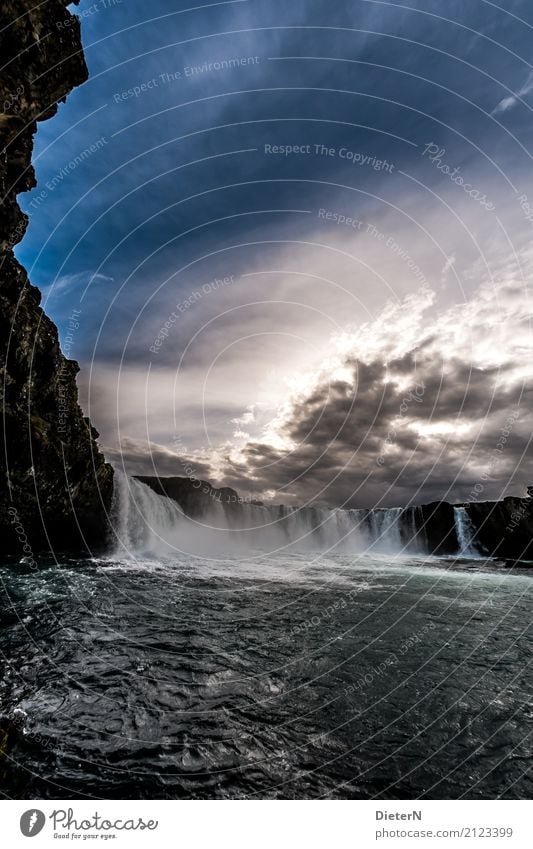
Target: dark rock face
{"x": 438, "y": 522}
{"x": 504, "y": 528}
{"x": 56, "y": 486}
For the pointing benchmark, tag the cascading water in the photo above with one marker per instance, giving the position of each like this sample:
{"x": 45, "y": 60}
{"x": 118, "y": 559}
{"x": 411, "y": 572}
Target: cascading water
{"x": 385, "y": 529}
{"x": 145, "y": 522}
{"x": 317, "y": 529}
{"x": 414, "y": 532}
{"x": 465, "y": 532}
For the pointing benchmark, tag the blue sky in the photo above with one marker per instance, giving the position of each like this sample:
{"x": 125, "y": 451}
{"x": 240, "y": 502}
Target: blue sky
{"x": 312, "y": 154}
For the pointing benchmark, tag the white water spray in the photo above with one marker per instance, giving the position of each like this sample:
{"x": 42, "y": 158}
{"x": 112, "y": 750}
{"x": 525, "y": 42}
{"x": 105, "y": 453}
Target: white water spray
{"x": 143, "y": 521}
{"x": 146, "y": 523}
{"x": 465, "y": 532}
{"x": 385, "y": 533}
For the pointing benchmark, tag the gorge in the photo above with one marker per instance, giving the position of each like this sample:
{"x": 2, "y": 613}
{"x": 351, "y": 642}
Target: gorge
{"x": 58, "y": 487}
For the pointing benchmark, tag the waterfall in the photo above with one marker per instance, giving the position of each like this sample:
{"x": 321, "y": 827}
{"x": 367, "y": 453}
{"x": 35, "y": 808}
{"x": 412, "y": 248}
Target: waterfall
{"x": 319, "y": 529}
{"x": 465, "y": 532}
{"x": 142, "y": 520}
{"x": 414, "y": 532}
{"x": 385, "y": 526}
{"x": 146, "y": 523}
{"x": 298, "y": 528}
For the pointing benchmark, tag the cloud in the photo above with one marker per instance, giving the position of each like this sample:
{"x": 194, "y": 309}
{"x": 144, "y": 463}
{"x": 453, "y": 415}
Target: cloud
{"x": 511, "y": 101}
{"x": 410, "y": 406}
{"x": 70, "y": 283}
{"x": 140, "y": 457}
{"x": 419, "y": 416}
{"x": 447, "y": 267}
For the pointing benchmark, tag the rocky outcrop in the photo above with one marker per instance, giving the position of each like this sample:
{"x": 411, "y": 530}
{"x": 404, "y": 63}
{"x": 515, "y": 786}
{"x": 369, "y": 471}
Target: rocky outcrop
{"x": 436, "y": 523}
{"x": 503, "y": 528}
{"x": 195, "y": 497}
{"x": 56, "y": 486}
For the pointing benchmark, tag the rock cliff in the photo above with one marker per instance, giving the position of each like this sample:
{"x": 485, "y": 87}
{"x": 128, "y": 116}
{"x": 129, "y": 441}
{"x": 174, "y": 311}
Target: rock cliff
{"x": 56, "y": 486}
{"x": 504, "y": 528}
{"x": 195, "y": 497}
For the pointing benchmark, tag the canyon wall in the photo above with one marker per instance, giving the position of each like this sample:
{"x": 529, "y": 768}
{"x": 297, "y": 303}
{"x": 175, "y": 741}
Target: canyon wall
{"x": 56, "y": 485}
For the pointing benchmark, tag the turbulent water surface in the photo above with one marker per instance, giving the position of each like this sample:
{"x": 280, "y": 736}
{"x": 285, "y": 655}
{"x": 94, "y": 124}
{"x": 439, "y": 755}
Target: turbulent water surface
{"x": 344, "y": 676}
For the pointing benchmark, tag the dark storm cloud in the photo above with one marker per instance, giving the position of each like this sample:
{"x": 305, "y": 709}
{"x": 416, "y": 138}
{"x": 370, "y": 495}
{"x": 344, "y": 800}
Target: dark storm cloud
{"x": 139, "y": 457}
{"x": 449, "y": 415}
{"x": 361, "y": 445}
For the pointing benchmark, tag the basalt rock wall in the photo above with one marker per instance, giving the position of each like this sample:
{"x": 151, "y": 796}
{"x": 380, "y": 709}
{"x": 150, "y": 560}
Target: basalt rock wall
{"x": 504, "y": 528}
{"x": 56, "y": 486}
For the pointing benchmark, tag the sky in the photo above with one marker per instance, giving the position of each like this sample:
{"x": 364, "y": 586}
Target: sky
{"x": 290, "y": 244}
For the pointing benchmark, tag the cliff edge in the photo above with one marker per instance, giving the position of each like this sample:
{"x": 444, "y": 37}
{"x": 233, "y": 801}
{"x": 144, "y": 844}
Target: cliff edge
{"x": 56, "y": 486}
